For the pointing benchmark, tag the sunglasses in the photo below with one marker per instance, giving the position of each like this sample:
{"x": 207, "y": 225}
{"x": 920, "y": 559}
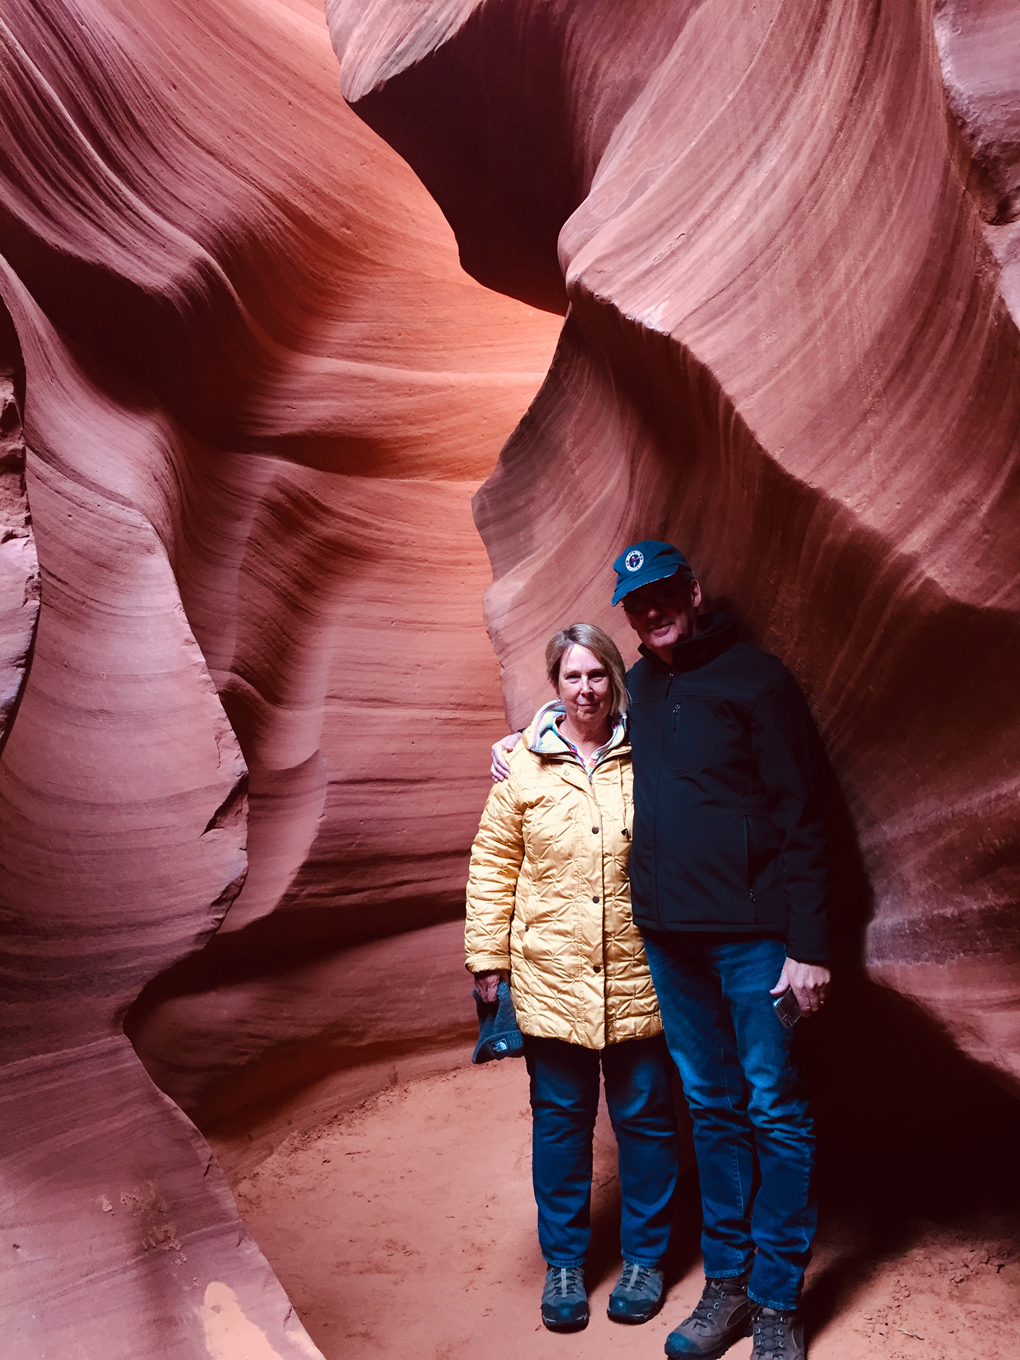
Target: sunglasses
{"x": 663, "y": 596}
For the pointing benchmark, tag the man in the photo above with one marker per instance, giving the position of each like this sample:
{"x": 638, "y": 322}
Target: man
{"x": 729, "y": 889}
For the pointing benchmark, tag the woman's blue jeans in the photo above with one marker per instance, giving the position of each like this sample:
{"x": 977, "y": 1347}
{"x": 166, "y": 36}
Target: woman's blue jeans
{"x": 747, "y": 1101}
{"x": 564, "y": 1104}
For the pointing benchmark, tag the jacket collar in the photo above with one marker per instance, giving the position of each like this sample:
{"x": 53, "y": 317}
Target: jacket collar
{"x": 545, "y": 738}
{"x": 715, "y": 633}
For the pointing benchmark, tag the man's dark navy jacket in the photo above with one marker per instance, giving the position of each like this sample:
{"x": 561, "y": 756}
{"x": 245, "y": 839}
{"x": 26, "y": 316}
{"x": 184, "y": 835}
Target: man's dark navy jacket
{"x": 729, "y": 831}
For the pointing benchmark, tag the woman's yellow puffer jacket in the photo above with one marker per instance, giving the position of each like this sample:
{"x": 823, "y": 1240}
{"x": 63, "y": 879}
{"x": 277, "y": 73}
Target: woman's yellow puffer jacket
{"x": 548, "y": 895}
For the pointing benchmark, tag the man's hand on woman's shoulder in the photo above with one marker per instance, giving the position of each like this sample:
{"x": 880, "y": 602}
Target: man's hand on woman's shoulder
{"x": 500, "y": 769}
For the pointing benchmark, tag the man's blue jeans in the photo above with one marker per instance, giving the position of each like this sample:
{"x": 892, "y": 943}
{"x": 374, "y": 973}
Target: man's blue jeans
{"x": 564, "y": 1104}
{"x": 746, "y": 1098}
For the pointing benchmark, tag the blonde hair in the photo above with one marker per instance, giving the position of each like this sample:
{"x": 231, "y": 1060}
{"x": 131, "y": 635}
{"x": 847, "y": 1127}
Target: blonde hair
{"x": 601, "y": 645}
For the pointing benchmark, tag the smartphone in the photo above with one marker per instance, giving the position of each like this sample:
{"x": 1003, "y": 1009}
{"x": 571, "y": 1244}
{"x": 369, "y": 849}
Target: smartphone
{"x": 787, "y": 1007}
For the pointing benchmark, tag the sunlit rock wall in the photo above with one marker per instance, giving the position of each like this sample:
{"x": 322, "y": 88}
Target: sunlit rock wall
{"x": 247, "y": 394}
{"x": 788, "y": 350}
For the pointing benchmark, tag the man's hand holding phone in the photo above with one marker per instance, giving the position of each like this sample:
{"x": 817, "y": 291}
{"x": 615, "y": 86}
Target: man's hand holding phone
{"x": 809, "y": 983}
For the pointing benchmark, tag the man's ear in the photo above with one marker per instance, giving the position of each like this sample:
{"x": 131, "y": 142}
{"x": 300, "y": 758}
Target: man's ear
{"x": 696, "y": 594}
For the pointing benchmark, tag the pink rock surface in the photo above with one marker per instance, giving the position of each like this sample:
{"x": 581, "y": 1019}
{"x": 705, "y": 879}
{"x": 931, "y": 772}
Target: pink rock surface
{"x": 788, "y": 349}
{"x": 259, "y": 393}
{"x": 247, "y": 719}
{"x": 979, "y": 48}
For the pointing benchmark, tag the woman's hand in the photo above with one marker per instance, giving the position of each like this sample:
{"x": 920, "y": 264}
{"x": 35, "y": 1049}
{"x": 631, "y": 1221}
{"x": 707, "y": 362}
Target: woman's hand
{"x": 499, "y": 769}
{"x": 487, "y": 986}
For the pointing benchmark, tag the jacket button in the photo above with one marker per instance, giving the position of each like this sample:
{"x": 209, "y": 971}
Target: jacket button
{"x": 595, "y": 898}
{"x": 598, "y": 968}
{"x": 594, "y": 831}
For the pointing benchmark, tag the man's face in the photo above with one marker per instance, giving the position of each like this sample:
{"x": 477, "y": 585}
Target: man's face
{"x": 663, "y": 613}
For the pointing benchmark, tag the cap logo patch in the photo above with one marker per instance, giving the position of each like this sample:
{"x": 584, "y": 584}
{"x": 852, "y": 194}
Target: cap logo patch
{"x": 634, "y": 560}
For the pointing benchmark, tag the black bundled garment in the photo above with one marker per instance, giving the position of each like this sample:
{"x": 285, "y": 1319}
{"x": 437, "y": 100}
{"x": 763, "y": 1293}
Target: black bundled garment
{"x": 498, "y": 1035}
{"x": 729, "y": 832}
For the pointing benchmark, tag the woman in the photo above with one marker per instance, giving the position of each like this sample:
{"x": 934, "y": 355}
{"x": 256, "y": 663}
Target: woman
{"x": 548, "y": 900}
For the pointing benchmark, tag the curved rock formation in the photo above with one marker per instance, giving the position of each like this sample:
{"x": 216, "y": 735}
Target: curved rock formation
{"x": 258, "y": 393}
{"x": 979, "y": 48}
{"x": 247, "y": 395}
{"x": 787, "y": 349}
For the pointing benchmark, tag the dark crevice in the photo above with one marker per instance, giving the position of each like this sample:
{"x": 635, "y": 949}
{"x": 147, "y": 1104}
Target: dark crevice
{"x": 16, "y": 522}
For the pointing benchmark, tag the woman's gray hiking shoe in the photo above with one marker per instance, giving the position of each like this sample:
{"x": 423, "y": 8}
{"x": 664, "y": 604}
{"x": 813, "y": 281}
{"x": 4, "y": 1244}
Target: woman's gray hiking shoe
{"x": 723, "y": 1315}
{"x": 637, "y": 1294}
{"x": 777, "y": 1336}
{"x": 564, "y": 1302}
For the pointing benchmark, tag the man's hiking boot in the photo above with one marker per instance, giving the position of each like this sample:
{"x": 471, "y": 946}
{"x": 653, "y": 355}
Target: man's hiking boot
{"x": 724, "y": 1314}
{"x": 564, "y": 1302}
{"x": 637, "y": 1294}
{"x": 777, "y": 1336}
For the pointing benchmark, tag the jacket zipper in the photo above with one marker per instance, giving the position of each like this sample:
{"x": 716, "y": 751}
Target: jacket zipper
{"x": 747, "y": 860}
{"x": 655, "y": 824}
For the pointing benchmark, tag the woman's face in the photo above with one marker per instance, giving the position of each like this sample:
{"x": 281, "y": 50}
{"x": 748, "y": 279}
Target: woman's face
{"x": 584, "y": 687}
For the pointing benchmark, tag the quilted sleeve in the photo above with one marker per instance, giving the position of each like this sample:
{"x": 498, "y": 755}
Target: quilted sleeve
{"x": 496, "y": 859}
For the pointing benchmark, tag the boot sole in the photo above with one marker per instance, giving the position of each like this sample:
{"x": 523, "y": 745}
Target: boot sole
{"x": 719, "y": 1350}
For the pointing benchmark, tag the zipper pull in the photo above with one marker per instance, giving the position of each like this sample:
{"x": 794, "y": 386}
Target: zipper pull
{"x": 676, "y": 710}
{"x": 669, "y": 682}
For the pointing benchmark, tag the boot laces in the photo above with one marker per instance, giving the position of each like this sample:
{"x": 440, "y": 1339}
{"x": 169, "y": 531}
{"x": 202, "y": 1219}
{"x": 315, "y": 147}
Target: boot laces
{"x": 715, "y": 1294}
{"x": 771, "y": 1333}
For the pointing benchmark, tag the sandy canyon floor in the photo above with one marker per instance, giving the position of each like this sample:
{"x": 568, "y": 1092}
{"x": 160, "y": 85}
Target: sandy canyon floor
{"x": 407, "y": 1228}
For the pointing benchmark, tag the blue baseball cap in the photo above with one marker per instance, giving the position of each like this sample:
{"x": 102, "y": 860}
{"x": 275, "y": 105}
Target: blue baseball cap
{"x": 645, "y": 562}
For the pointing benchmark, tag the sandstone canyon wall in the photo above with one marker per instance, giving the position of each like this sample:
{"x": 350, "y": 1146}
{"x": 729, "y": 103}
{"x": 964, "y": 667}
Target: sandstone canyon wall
{"x": 788, "y": 349}
{"x": 247, "y": 393}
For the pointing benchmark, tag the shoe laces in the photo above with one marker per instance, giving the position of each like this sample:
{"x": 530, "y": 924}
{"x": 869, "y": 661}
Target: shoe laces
{"x": 771, "y": 1333}
{"x": 639, "y": 1275}
{"x": 568, "y": 1280}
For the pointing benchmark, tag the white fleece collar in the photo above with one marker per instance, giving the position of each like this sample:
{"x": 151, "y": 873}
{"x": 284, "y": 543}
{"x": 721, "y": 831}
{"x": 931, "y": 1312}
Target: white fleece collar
{"x": 548, "y": 740}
